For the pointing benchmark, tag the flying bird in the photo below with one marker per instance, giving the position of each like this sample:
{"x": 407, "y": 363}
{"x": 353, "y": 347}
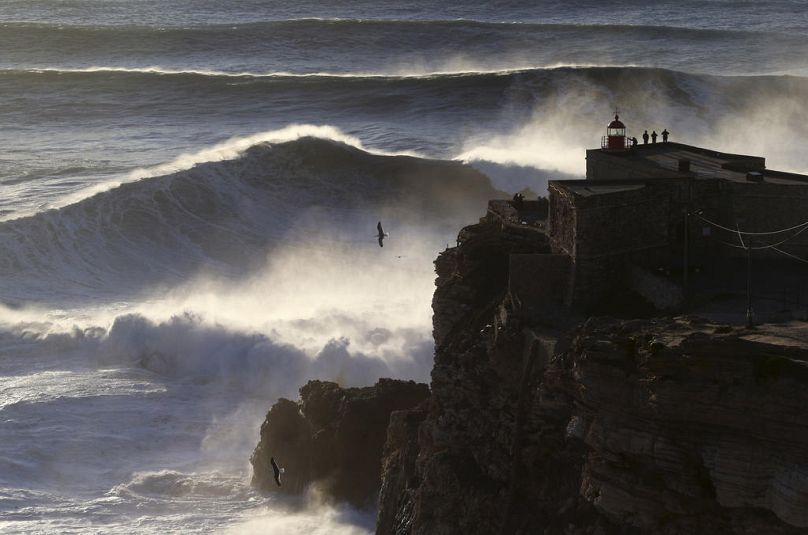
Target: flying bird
{"x": 277, "y": 471}
{"x": 382, "y": 234}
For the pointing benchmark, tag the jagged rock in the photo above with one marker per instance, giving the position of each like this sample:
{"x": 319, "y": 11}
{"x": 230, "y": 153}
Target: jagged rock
{"x": 669, "y": 426}
{"x": 333, "y": 437}
{"x": 399, "y": 477}
{"x": 707, "y": 434}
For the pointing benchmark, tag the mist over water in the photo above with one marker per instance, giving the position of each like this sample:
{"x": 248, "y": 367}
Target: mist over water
{"x": 189, "y": 194}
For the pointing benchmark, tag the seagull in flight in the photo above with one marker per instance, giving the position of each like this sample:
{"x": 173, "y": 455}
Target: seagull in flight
{"x": 277, "y": 471}
{"x": 382, "y": 234}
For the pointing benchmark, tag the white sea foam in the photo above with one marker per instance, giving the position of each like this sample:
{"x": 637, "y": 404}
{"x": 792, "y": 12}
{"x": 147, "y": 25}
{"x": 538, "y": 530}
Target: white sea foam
{"x": 321, "y": 521}
{"x": 154, "y": 406}
{"x": 152, "y": 419}
{"x": 137, "y": 360}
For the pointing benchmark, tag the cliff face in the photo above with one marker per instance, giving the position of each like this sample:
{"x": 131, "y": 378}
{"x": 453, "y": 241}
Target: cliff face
{"x": 333, "y": 437}
{"x": 690, "y": 427}
{"x": 667, "y": 426}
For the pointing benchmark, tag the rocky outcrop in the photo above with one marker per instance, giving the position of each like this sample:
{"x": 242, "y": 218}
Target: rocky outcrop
{"x": 399, "y": 476}
{"x": 668, "y": 426}
{"x": 333, "y": 437}
{"x": 689, "y": 427}
{"x": 472, "y": 277}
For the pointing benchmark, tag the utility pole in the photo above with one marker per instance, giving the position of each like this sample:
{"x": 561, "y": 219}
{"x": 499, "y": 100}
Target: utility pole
{"x": 686, "y": 249}
{"x": 749, "y": 315}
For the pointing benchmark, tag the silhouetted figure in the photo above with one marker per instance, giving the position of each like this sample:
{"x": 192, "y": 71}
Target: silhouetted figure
{"x": 518, "y": 198}
{"x": 653, "y": 136}
{"x": 645, "y": 138}
{"x": 382, "y": 234}
{"x": 665, "y": 135}
{"x": 275, "y": 470}
{"x": 633, "y": 142}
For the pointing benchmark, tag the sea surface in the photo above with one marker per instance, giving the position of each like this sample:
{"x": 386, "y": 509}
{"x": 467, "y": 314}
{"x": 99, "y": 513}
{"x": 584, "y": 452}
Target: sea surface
{"x": 189, "y": 192}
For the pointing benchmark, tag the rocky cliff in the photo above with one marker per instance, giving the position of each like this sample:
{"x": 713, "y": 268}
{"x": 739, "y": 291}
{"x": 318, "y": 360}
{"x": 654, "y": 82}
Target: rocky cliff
{"x": 333, "y": 437}
{"x": 670, "y": 426}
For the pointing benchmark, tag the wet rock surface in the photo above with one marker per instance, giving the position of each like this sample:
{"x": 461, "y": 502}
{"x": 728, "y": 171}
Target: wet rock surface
{"x": 333, "y": 437}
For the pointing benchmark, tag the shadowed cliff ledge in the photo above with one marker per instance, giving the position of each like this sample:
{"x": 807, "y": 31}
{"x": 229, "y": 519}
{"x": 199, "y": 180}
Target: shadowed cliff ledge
{"x": 666, "y": 426}
{"x": 333, "y": 437}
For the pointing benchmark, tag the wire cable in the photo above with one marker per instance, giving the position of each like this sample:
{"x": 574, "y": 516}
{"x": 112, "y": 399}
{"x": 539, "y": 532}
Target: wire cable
{"x": 740, "y": 237}
{"x": 769, "y": 246}
{"x": 795, "y": 257}
{"x": 737, "y": 231}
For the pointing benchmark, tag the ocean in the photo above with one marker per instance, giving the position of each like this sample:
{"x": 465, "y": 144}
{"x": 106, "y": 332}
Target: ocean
{"x": 189, "y": 192}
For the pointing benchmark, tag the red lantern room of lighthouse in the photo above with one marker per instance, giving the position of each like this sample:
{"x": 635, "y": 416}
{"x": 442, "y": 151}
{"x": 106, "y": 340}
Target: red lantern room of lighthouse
{"x": 615, "y": 138}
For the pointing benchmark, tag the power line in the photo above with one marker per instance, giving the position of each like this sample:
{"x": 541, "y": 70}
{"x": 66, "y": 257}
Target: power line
{"x": 769, "y": 246}
{"x": 795, "y": 257}
{"x": 740, "y": 236}
{"x": 748, "y": 247}
{"x": 738, "y": 231}
{"x": 772, "y": 246}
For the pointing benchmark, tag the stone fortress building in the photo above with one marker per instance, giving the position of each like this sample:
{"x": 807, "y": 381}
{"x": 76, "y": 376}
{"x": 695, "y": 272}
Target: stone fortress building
{"x": 668, "y": 225}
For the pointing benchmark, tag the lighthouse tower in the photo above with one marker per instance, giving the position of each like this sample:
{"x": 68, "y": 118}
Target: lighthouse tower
{"x": 615, "y": 138}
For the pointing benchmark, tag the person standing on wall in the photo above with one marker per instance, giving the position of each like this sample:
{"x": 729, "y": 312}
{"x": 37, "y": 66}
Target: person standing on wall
{"x": 645, "y": 138}
{"x": 665, "y": 135}
{"x": 653, "y": 136}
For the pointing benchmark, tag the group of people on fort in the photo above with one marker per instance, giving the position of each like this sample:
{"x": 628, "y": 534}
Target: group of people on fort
{"x": 653, "y": 137}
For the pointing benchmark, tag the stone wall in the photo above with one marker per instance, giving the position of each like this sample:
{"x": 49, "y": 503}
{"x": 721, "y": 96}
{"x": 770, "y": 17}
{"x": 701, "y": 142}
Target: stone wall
{"x": 619, "y": 223}
{"x": 614, "y": 230}
{"x": 644, "y": 224}
{"x": 561, "y": 219}
{"x": 539, "y": 281}
{"x": 610, "y": 166}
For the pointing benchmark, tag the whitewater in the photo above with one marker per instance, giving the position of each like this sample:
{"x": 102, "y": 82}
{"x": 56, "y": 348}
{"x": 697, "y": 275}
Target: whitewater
{"x": 189, "y": 194}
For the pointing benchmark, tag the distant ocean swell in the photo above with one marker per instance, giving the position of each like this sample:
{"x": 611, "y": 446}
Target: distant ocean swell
{"x": 566, "y": 107}
{"x": 348, "y": 45}
{"x": 350, "y": 26}
{"x": 615, "y": 79}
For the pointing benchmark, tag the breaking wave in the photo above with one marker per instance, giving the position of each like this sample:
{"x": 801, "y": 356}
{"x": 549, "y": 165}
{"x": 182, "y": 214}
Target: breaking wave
{"x": 616, "y": 78}
{"x": 150, "y": 317}
{"x": 393, "y": 47}
{"x": 225, "y": 213}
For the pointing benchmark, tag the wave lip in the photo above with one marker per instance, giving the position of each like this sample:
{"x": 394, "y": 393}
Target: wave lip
{"x": 369, "y": 45}
{"x": 401, "y": 74}
{"x": 223, "y": 209}
{"x": 226, "y": 150}
{"x": 390, "y": 75}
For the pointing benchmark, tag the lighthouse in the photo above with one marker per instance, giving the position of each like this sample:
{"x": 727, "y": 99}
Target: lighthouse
{"x": 615, "y": 138}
